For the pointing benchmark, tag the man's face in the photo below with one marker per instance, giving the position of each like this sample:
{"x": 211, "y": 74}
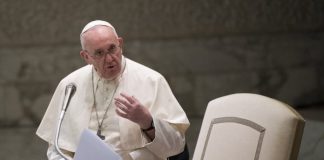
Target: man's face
{"x": 103, "y": 49}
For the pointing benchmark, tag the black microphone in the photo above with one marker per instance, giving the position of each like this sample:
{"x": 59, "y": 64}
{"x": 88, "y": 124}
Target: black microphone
{"x": 69, "y": 92}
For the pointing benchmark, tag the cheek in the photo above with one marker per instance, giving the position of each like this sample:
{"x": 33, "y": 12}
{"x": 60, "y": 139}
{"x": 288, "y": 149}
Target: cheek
{"x": 97, "y": 65}
{"x": 89, "y": 60}
{"x": 117, "y": 57}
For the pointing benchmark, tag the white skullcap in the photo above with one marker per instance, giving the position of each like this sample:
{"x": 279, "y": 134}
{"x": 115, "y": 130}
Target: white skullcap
{"x": 97, "y": 23}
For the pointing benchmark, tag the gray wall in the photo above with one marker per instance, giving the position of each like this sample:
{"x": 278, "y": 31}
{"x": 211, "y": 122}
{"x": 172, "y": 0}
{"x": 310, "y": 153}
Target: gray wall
{"x": 205, "y": 49}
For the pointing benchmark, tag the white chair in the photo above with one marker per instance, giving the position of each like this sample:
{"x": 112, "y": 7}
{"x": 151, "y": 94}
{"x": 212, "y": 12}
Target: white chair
{"x": 249, "y": 127}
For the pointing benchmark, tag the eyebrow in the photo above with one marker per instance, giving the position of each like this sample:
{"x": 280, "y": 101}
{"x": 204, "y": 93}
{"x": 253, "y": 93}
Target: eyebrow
{"x": 109, "y": 47}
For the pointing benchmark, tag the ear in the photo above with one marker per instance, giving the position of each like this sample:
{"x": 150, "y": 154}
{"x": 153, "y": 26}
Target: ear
{"x": 84, "y": 55}
{"x": 121, "y": 41}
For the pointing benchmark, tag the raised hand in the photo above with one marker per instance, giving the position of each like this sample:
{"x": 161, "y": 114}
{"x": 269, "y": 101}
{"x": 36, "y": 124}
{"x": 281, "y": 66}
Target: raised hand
{"x": 130, "y": 108}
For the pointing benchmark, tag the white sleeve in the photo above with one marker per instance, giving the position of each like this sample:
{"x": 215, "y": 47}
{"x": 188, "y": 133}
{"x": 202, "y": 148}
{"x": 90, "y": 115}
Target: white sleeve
{"x": 168, "y": 140}
{"x": 52, "y": 154}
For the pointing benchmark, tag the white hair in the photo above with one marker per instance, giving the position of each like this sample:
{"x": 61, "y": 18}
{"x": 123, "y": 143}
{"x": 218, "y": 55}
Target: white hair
{"x": 93, "y": 24}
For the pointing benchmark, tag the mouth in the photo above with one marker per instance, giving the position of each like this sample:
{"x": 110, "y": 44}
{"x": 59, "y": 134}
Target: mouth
{"x": 110, "y": 67}
{"x": 109, "y": 71}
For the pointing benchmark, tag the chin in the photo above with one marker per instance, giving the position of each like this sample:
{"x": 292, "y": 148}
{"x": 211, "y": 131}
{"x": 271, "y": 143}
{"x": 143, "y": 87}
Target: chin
{"x": 111, "y": 76}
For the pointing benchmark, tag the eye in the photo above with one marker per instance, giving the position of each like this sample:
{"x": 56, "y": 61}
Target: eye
{"x": 112, "y": 49}
{"x": 98, "y": 53}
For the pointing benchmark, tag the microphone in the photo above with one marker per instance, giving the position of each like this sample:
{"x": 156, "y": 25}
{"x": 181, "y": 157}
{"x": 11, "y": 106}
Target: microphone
{"x": 69, "y": 92}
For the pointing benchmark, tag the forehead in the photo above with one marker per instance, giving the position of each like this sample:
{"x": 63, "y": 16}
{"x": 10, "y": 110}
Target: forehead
{"x": 99, "y": 35}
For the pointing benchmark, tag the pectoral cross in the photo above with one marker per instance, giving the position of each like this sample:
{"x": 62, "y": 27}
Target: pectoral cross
{"x": 100, "y": 135}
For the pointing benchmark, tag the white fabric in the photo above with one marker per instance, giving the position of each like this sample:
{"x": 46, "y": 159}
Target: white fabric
{"x": 104, "y": 91}
{"x": 148, "y": 86}
{"x": 249, "y": 126}
{"x": 52, "y": 154}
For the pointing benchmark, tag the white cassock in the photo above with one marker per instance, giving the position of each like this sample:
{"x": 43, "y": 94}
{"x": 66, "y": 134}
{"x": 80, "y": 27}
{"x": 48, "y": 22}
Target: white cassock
{"x": 147, "y": 85}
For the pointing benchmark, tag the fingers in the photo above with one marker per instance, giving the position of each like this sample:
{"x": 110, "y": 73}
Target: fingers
{"x": 126, "y": 105}
{"x": 130, "y": 108}
{"x": 130, "y": 99}
{"x": 120, "y": 113}
{"x": 123, "y": 103}
{"x": 121, "y": 107}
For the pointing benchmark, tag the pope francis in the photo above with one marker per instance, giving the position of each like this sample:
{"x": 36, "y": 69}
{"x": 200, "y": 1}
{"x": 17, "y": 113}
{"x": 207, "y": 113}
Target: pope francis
{"x": 129, "y": 106}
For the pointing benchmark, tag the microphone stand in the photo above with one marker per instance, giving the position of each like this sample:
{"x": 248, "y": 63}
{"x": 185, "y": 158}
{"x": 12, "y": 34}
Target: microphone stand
{"x": 69, "y": 91}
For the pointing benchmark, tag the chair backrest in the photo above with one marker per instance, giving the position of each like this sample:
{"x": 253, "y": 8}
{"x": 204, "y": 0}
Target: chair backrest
{"x": 249, "y": 127}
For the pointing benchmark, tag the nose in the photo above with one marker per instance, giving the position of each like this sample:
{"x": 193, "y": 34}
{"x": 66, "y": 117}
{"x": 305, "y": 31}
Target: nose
{"x": 108, "y": 57}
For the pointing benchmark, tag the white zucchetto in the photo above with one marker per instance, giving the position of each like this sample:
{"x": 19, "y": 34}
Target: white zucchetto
{"x": 97, "y": 23}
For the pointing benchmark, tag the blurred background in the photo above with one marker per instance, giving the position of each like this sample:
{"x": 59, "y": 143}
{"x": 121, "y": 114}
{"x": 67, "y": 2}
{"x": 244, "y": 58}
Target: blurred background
{"x": 205, "y": 48}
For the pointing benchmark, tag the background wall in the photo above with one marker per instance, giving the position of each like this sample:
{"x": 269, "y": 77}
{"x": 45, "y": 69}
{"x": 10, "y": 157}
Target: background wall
{"x": 205, "y": 49}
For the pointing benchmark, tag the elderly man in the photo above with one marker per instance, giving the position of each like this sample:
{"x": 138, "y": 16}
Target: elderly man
{"x": 128, "y": 105}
